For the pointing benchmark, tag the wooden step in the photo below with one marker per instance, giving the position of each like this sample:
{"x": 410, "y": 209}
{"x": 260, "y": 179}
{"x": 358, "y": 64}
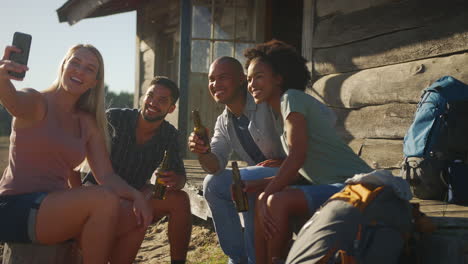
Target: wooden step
{"x": 15, "y": 253}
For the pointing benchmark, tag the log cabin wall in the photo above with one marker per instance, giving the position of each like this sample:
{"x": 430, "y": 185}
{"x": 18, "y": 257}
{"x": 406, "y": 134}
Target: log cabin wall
{"x": 157, "y": 46}
{"x": 372, "y": 58}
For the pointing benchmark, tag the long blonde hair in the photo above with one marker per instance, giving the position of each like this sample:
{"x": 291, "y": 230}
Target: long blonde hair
{"x": 93, "y": 100}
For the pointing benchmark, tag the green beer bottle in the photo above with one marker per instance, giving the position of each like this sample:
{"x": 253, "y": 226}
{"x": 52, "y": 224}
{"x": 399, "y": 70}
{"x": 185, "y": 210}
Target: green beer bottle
{"x": 239, "y": 196}
{"x": 199, "y": 129}
{"x": 159, "y": 188}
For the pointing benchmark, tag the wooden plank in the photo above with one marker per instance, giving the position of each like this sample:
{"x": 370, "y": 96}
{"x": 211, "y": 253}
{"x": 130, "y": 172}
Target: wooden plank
{"x": 450, "y": 222}
{"x": 308, "y": 25}
{"x": 436, "y": 249}
{"x": 15, "y": 253}
{"x": 442, "y": 38}
{"x": 379, "y": 153}
{"x": 334, "y": 7}
{"x": 138, "y": 63}
{"x": 198, "y": 205}
{"x": 390, "y": 121}
{"x": 194, "y": 188}
{"x": 392, "y": 17}
{"x": 400, "y": 83}
{"x": 79, "y": 10}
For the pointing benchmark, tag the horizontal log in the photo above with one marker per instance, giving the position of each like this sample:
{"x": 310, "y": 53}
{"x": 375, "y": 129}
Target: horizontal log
{"x": 400, "y": 83}
{"x": 443, "y": 38}
{"x": 16, "y": 253}
{"x": 333, "y": 7}
{"x": 390, "y": 121}
{"x": 379, "y": 153}
{"x": 394, "y": 16}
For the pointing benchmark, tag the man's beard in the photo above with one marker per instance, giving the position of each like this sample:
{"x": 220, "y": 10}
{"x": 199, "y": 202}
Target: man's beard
{"x": 153, "y": 119}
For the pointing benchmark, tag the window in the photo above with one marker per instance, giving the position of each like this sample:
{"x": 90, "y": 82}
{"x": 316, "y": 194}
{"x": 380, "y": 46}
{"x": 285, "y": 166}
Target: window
{"x": 221, "y": 28}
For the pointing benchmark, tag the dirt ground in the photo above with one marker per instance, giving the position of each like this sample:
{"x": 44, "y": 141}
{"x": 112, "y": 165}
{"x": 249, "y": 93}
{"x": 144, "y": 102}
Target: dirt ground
{"x": 203, "y": 248}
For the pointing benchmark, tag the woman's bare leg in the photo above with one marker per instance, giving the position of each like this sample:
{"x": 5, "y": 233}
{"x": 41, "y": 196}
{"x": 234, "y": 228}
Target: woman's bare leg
{"x": 261, "y": 255}
{"x": 88, "y": 213}
{"x": 129, "y": 236}
{"x": 283, "y": 206}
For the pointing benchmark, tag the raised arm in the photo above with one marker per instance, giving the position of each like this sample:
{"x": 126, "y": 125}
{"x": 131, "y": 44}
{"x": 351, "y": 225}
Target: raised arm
{"x": 26, "y": 105}
{"x": 208, "y": 160}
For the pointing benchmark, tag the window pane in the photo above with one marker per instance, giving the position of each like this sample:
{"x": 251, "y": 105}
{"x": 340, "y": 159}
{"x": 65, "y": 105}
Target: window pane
{"x": 202, "y": 2}
{"x": 244, "y": 3}
{"x": 200, "y": 56}
{"x": 224, "y": 23}
{"x": 244, "y": 24}
{"x": 223, "y": 48}
{"x": 201, "y": 22}
{"x": 225, "y": 2}
{"x": 240, "y": 48}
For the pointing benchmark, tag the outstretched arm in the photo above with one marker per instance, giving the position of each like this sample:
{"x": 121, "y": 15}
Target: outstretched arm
{"x": 27, "y": 105}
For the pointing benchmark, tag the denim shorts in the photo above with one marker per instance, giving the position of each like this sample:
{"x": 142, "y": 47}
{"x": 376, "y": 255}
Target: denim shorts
{"x": 316, "y": 195}
{"x": 18, "y": 217}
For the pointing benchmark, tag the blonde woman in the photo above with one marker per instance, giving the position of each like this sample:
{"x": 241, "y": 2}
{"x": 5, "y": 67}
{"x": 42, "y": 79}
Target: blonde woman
{"x": 53, "y": 132}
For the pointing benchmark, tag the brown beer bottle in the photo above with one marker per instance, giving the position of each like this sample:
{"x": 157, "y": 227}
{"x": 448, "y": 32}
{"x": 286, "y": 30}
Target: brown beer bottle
{"x": 199, "y": 129}
{"x": 239, "y": 196}
{"x": 159, "y": 188}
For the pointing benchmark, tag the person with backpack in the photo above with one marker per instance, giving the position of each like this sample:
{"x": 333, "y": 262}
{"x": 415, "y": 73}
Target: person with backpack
{"x": 369, "y": 221}
{"x": 278, "y": 75}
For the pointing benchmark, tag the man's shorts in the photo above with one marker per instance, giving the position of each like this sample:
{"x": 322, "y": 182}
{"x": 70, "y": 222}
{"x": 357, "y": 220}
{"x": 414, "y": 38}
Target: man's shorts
{"x": 18, "y": 217}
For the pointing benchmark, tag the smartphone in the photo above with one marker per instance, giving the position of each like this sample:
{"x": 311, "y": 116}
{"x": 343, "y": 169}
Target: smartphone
{"x": 23, "y": 42}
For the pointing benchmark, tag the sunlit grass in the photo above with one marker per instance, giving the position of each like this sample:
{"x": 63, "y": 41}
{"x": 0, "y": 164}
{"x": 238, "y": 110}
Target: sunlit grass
{"x": 207, "y": 255}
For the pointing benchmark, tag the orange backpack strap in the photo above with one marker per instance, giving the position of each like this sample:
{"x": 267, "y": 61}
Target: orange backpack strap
{"x": 346, "y": 259}
{"x": 326, "y": 258}
{"x": 358, "y": 195}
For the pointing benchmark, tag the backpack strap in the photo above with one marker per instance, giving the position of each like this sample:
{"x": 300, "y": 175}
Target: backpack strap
{"x": 358, "y": 195}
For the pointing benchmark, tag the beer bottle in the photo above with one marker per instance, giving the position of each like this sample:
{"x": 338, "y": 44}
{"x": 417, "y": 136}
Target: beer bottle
{"x": 199, "y": 129}
{"x": 159, "y": 188}
{"x": 239, "y": 196}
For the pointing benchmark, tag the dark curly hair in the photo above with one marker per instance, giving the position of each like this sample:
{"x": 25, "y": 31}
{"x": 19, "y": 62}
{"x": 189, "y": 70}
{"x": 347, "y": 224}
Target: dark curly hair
{"x": 284, "y": 60}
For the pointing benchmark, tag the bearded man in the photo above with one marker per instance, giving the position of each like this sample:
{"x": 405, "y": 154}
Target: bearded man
{"x": 139, "y": 139}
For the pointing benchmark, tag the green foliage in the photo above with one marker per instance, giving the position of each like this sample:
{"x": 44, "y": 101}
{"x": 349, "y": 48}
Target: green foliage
{"x": 121, "y": 100}
{"x": 5, "y": 122}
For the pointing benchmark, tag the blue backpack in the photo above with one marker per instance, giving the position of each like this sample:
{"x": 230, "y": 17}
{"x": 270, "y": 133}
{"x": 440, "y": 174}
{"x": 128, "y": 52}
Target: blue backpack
{"x": 436, "y": 144}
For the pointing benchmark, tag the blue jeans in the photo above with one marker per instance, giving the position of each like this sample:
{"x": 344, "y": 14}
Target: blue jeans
{"x": 237, "y": 245}
{"x": 316, "y": 195}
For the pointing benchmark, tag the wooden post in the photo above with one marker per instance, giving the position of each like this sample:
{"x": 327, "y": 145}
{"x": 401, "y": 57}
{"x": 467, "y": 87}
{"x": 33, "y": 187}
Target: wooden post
{"x": 15, "y": 253}
{"x": 184, "y": 68}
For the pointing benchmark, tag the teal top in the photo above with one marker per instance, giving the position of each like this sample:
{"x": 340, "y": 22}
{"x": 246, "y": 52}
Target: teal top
{"x": 329, "y": 159}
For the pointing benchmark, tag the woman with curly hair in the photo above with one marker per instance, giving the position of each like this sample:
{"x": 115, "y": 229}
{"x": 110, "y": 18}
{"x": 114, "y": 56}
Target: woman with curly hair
{"x": 278, "y": 75}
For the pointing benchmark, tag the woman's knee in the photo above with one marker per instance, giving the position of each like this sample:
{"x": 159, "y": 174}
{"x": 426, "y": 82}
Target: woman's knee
{"x": 279, "y": 204}
{"x": 103, "y": 197}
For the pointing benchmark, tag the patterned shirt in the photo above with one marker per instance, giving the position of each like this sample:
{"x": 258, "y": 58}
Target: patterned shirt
{"x": 136, "y": 163}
